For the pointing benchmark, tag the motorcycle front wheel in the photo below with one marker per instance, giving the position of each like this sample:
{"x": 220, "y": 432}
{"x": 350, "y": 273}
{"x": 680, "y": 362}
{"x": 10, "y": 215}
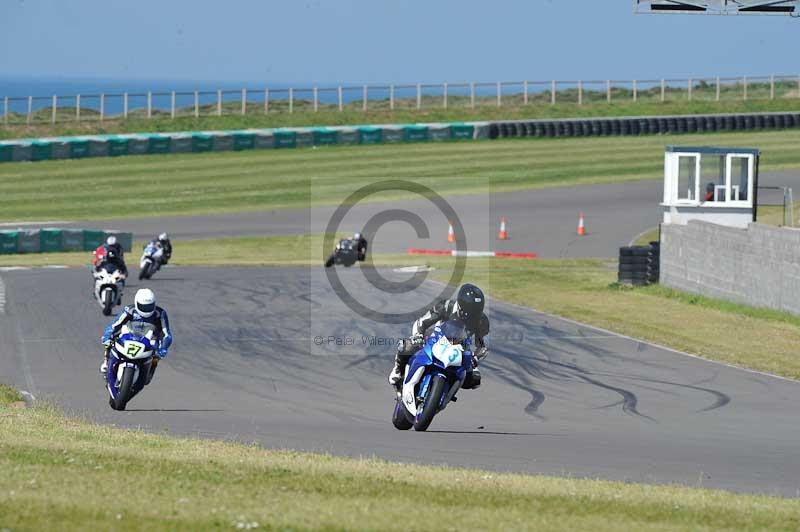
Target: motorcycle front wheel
{"x": 125, "y": 389}
{"x": 108, "y": 302}
{"x": 430, "y": 404}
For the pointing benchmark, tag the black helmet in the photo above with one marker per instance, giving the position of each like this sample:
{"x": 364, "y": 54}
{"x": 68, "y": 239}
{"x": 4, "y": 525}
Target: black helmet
{"x": 469, "y": 303}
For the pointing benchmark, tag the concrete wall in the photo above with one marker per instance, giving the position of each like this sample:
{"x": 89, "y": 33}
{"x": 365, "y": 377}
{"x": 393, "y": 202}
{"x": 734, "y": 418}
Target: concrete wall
{"x": 758, "y": 266}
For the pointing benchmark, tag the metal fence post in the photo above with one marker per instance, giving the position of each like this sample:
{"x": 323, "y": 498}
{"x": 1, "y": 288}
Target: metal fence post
{"x": 102, "y": 106}
{"x": 341, "y": 99}
{"x": 291, "y": 100}
{"x": 391, "y": 97}
{"x": 55, "y": 106}
{"x": 744, "y": 88}
{"x": 772, "y": 86}
{"x": 525, "y": 92}
{"x": 78, "y": 107}
{"x": 5, "y": 107}
{"x": 364, "y": 98}
{"x": 580, "y": 92}
{"x": 472, "y": 93}
{"x": 316, "y": 99}
{"x": 266, "y": 100}
{"x": 608, "y": 90}
{"x": 635, "y": 91}
{"x": 689, "y": 89}
{"x": 419, "y": 96}
{"x": 244, "y": 102}
{"x": 499, "y": 94}
{"x": 196, "y": 104}
{"x": 444, "y": 101}
{"x": 553, "y": 92}
{"x": 717, "y": 88}
{"x": 219, "y": 102}
{"x": 30, "y": 109}
{"x": 125, "y": 105}
{"x": 663, "y": 90}
{"x": 172, "y": 104}
{"x": 149, "y": 104}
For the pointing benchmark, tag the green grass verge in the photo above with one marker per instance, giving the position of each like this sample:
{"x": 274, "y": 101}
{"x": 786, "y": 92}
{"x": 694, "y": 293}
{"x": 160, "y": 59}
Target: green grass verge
{"x": 65, "y": 474}
{"x": 140, "y": 186}
{"x": 584, "y": 290}
{"x": 379, "y": 113}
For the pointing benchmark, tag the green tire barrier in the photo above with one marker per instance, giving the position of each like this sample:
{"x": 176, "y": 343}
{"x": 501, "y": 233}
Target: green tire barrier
{"x": 370, "y": 135}
{"x": 41, "y": 150}
{"x": 285, "y": 139}
{"x": 51, "y": 240}
{"x": 250, "y": 139}
{"x": 8, "y": 242}
{"x": 242, "y": 140}
{"x": 118, "y": 146}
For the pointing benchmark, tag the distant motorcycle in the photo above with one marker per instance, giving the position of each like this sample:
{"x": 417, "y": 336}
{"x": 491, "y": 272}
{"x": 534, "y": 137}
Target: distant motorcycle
{"x": 131, "y": 364}
{"x": 151, "y": 260}
{"x": 432, "y": 377}
{"x": 346, "y": 253}
{"x": 108, "y": 284}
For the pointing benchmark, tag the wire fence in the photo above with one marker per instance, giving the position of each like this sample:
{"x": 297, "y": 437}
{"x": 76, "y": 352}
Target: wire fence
{"x": 364, "y": 98}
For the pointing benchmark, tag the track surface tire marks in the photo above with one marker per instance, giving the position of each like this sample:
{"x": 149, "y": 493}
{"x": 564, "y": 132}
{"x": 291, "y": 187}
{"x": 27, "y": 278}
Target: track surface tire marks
{"x": 558, "y": 398}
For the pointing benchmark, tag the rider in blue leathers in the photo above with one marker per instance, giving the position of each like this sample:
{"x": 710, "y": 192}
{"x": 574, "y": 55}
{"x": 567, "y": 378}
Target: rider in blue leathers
{"x": 143, "y": 312}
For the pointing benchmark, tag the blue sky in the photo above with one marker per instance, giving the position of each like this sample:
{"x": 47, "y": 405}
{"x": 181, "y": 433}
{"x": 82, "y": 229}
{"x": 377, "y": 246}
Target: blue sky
{"x": 328, "y": 41}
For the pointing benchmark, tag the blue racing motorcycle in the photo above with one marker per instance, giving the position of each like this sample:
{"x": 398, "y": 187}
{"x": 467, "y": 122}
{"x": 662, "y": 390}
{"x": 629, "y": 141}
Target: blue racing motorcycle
{"x": 433, "y": 376}
{"x": 131, "y": 363}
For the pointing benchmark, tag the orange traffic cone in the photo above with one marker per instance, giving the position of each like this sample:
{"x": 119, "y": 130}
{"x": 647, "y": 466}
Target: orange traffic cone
{"x": 451, "y": 235}
{"x": 581, "y": 226}
{"x": 503, "y": 234}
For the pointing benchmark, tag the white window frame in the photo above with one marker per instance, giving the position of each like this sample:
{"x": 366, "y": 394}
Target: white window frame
{"x": 750, "y": 179}
{"x": 676, "y": 199}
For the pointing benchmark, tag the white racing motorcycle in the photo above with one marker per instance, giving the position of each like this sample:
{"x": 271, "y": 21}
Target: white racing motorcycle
{"x": 150, "y": 262}
{"x": 108, "y": 284}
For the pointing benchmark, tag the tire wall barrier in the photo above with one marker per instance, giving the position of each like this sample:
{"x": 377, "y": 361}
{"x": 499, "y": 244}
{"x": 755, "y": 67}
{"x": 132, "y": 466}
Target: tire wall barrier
{"x": 635, "y": 126}
{"x": 52, "y": 239}
{"x": 206, "y": 141}
{"x": 639, "y": 265}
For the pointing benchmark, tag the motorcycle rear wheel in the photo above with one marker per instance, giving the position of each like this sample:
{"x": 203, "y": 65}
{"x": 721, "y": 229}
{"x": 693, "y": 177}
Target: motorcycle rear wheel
{"x": 430, "y": 405}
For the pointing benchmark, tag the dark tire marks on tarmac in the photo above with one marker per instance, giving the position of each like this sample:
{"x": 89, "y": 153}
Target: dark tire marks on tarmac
{"x": 557, "y": 397}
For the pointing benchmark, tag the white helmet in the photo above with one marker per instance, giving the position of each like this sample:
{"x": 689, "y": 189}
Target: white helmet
{"x": 145, "y": 302}
{"x": 163, "y": 236}
{"x": 111, "y": 240}
{"x": 356, "y": 236}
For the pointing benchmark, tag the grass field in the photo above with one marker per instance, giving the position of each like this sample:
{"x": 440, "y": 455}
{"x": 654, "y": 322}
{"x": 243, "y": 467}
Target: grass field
{"x": 141, "y": 186}
{"x": 65, "y": 474}
{"x": 583, "y": 290}
{"x": 379, "y": 113}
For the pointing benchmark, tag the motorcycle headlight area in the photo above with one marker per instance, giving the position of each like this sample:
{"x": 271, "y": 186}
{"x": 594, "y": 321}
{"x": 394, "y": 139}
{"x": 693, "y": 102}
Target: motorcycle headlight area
{"x": 446, "y": 353}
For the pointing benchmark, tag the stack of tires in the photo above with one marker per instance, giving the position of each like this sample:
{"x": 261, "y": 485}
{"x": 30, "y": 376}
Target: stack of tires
{"x": 639, "y": 265}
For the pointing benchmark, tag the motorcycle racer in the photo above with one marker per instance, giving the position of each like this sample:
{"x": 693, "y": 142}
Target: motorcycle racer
{"x": 468, "y": 308}
{"x": 144, "y": 314}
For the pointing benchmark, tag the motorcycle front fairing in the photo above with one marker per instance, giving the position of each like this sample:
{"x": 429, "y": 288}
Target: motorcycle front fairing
{"x": 130, "y": 351}
{"x": 436, "y": 357}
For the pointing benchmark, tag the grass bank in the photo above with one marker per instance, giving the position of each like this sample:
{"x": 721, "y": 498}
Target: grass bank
{"x": 187, "y": 484}
{"x": 141, "y": 186}
{"x": 583, "y": 290}
{"x": 377, "y": 113}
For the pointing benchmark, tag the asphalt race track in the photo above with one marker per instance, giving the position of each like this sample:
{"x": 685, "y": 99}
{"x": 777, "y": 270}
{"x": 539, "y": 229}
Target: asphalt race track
{"x": 543, "y": 221}
{"x": 558, "y": 398}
